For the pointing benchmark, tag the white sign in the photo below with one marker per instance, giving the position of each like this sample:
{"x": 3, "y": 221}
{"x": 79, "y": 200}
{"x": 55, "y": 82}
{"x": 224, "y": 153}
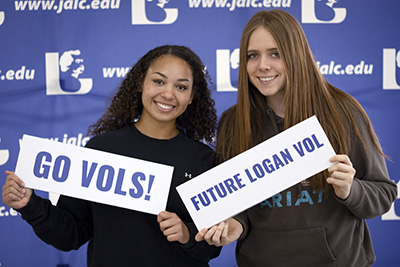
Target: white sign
{"x": 94, "y": 175}
{"x": 257, "y": 174}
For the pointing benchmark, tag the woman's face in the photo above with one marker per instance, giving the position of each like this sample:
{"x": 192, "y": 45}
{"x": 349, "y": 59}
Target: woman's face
{"x": 167, "y": 90}
{"x": 265, "y": 67}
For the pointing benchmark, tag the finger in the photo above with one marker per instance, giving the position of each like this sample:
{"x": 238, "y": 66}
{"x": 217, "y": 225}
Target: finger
{"x": 172, "y": 238}
{"x": 217, "y": 236}
{"x": 159, "y": 218}
{"x": 163, "y": 215}
{"x": 10, "y": 198}
{"x": 340, "y": 166}
{"x": 341, "y": 188}
{"x": 343, "y": 176}
{"x": 170, "y": 222}
{"x": 169, "y": 231}
{"x": 12, "y": 186}
{"x": 12, "y": 176}
{"x": 166, "y": 225}
{"x": 225, "y": 231}
{"x": 335, "y": 182}
{"x": 17, "y": 185}
{"x": 342, "y": 185}
{"x": 341, "y": 158}
{"x": 341, "y": 171}
{"x": 200, "y": 235}
{"x": 20, "y": 193}
{"x": 210, "y": 233}
{"x": 177, "y": 237}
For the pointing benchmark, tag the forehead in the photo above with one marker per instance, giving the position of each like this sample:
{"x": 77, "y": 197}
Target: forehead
{"x": 169, "y": 60}
{"x": 261, "y": 39}
{"x": 171, "y": 67}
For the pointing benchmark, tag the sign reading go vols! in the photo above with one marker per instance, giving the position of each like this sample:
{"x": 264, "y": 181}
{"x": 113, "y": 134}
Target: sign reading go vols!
{"x": 94, "y": 175}
{"x": 257, "y": 174}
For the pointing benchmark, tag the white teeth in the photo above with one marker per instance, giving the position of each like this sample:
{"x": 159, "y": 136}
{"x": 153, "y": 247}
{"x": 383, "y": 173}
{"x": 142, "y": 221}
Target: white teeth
{"x": 164, "y": 106}
{"x": 267, "y": 79}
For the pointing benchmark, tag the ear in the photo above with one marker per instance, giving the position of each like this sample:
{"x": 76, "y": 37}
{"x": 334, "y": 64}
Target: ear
{"x": 190, "y": 100}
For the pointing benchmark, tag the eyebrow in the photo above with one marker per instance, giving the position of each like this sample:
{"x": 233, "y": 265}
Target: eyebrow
{"x": 165, "y": 76}
{"x": 256, "y": 50}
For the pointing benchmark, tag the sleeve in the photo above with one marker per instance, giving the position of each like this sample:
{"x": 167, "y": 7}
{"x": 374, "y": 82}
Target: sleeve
{"x": 201, "y": 251}
{"x": 66, "y": 226}
{"x": 243, "y": 219}
{"x": 372, "y": 192}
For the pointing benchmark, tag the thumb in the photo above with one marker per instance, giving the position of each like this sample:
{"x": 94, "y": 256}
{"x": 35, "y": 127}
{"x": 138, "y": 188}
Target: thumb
{"x": 200, "y": 235}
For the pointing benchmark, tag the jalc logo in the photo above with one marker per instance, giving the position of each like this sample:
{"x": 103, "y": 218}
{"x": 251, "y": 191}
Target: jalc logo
{"x": 68, "y": 83}
{"x": 225, "y": 63}
{"x": 2, "y": 17}
{"x": 391, "y": 59}
{"x": 139, "y": 15}
{"x": 308, "y": 12}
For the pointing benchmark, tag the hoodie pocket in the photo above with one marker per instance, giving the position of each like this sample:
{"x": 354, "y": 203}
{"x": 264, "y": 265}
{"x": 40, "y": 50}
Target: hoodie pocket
{"x": 306, "y": 247}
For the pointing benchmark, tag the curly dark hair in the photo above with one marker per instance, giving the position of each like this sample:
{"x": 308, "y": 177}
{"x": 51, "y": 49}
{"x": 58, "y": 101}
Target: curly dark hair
{"x": 198, "y": 121}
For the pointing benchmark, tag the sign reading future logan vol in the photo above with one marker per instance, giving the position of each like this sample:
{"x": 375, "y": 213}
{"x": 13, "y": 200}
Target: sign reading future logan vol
{"x": 257, "y": 174}
{"x": 94, "y": 175}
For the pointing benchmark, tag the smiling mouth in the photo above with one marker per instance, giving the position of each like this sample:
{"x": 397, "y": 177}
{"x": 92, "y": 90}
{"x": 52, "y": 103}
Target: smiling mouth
{"x": 267, "y": 79}
{"x": 164, "y": 106}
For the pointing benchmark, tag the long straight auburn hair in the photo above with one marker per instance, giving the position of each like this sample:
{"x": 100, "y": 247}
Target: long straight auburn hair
{"x": 306, "y": 93}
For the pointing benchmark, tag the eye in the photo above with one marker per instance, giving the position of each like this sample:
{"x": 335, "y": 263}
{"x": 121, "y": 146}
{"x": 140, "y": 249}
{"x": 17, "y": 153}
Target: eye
{"x": 158, "y": 81}
{"x": 252, "y": 56}
{"x": 182, "y": 87}
{"x": 275, "y": 55}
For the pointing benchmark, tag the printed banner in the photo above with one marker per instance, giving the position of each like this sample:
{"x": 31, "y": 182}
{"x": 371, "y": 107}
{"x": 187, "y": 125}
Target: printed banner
{"x": 56, "y": 64}
{"x": 94, "y": 175}
{"x": 257, "y": 174}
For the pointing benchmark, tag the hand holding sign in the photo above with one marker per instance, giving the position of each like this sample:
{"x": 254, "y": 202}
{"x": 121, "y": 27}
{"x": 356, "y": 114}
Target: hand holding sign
{"x": 341, "y": 175}
{"x": 257, "y": 174}
{"x": 94, "y": 175}
{"x": 222, "y": 234}
{"x": 15, "y": 195}
{"x": 173, "y": 227}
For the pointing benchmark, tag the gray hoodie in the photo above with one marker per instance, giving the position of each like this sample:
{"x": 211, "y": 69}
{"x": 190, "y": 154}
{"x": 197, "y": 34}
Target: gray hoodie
{"x": 303, "y": 227}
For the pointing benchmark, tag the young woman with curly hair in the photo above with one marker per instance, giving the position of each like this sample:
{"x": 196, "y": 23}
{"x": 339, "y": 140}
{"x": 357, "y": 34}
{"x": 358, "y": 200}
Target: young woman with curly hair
{"x": 320, "y": 221}
{"x": 197, "y": 122}
{"x": 159, "y": 114}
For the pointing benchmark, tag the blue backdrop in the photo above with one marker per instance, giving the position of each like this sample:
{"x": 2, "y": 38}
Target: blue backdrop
{"x": 61, "y": 61}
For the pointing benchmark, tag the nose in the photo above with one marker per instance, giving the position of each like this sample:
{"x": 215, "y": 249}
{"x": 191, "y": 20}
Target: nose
{"x": 167, "y": 92}
{"x": 265, "y": 63}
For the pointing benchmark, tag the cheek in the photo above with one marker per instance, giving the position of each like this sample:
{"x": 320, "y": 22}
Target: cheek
{"x": 281, "y": 67}
{"x": 251, "y": 67}
{"x": 146, "y": 98}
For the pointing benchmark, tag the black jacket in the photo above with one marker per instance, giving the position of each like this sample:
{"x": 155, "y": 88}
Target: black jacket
{"x": 122, "y": 237}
